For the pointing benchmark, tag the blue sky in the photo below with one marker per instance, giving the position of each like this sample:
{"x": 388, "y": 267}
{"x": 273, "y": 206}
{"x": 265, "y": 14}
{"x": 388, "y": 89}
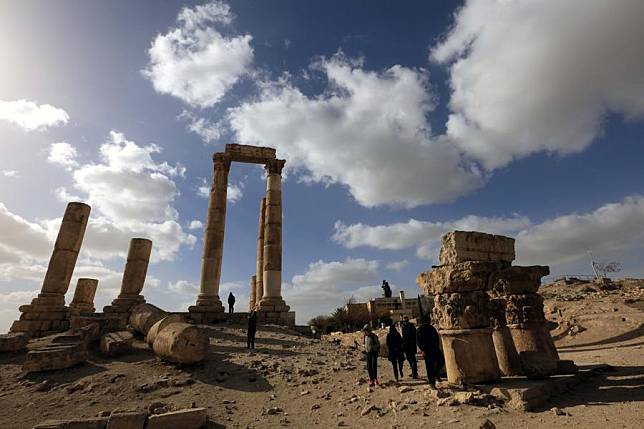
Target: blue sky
{"x": 397, "y": 123}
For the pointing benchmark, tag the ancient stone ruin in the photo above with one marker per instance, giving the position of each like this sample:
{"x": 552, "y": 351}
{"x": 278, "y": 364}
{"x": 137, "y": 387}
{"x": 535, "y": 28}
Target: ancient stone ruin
{"x": 266, "y": 294}
{"x": 489, "y": 314}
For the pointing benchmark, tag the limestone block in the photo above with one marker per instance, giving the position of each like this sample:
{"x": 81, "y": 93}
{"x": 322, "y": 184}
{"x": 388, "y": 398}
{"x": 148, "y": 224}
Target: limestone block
{"x": 13, "y": 341}
{"x": 158, "y": 327}
{"x": 462, "y": 277}
{"x": 468, "y": 310}
{"x": 462, "y": 246}
{"x": 116, "y": 343}
{"x": 524, "y": 308}
{"x": 143, "y": 316}
{"x": 181, "y": 343}
{"x": 83, "y": 423}
{"x": 252, "y": 154}
{"x": 55, "y": 356}
{"x": 127, "y": 420}
{"x": 506, "y": 352}
{"x": 470, "y": 357}
{"x": 518, "y": 280}
{"x": 192, "y": 418}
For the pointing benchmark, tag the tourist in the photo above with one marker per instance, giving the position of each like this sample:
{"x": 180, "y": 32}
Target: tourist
{"x": 371, "y": 349}
{"x": 252, "y": 328}
{"x": 231, "y": 303}
{"x": 429, "y": 344}
{"x": 395, "y": 351}
{"x": 409, "y": 345}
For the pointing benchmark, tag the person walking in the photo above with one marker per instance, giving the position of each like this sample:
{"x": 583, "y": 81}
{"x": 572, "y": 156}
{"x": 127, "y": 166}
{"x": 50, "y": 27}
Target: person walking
{"x": 371, "y": 349}
{"x": 252, "y": 328}
{"x": 231, "y": 303}
{"x": 429, "y": 345}
{"x": 409, "y": 345}
{"x": 395, "y": 351}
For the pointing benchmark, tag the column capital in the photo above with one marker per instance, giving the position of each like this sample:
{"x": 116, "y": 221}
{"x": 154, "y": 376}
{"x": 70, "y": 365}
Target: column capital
{"x": 221, "y": 161}
{"x": 274, "y": 166}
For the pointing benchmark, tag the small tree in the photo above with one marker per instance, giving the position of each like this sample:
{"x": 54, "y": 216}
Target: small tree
{"x": 603, "y": 268}
{"x": 319, "y": 323}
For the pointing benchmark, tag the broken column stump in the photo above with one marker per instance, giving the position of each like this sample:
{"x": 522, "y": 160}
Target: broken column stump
{"x": 116, "y": 343}
{"x": 158, "y": 327}
{"x": 506, "y": 352}
{"x": 47, "y": 313}
{"x": 83, "y": 301}
{"x": 144, "y": 316}
{"x": 181, "y": 343}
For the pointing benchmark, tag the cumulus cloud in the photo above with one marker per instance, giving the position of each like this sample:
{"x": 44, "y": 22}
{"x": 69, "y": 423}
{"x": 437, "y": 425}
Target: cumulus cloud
{"x": 64, "y": 154}
{"x": 367, "y": 131}
{"x": 194, "y": 61}
{"x": 195, "y": 224}
{"x": 529, "y": 77}
{"x": 397, "y": 265}
{"x": 11, "y": 173}
{"x": 234, "y": 191}
{"x": 207, "y": 130}
{"x": 423, "y": 234}
{"x": 325, "y": 285}
{"x": 31, "y": 116}
{"x": 612, "y": 231}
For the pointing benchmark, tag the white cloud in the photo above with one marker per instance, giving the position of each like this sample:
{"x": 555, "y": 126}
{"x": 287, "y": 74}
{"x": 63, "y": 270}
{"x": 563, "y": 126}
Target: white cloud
{"x": 613, "y": 231}
{"x": 367, "y": 131}
{"x": 184, "y": 287}
{"x": 530, "y": 77}
{"x": 325, "y": 286}
{"x": 195, "y": 224}
{"x": 64, "y": 196}
{"x": 31, "y": 116}
{"x": 234, "y": 191}
{"x": 397, "y": 265}
{"x": 207, "y": 130}
{"x": 64, "y": 154}
{"x": 423, "y": 234}
{"x": 11, "y": 173}
{"x": 195, "y": 61}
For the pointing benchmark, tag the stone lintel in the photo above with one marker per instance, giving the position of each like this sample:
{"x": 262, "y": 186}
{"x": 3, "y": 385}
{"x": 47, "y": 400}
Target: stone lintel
{"x": 462, "y": 246}
{"x": 250, "y": 154}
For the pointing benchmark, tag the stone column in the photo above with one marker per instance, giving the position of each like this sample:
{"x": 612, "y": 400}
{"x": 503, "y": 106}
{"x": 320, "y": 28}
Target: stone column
{"x": 208, "y": 307}
{"x": 506, "y": 352}
{"x": 259, "y": 282}
{"x": 525, "y": 318}
{"x": 253, "y": 291}
{"x": 83, "y": 301}
{"x": 47, "y": 312}
{"x": 272, "y": 305}
{"x": 136, "y": 268}
{"x": 403, "y": 301}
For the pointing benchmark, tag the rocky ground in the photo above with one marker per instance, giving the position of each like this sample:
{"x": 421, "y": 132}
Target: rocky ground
{"x": 293, "y": 381}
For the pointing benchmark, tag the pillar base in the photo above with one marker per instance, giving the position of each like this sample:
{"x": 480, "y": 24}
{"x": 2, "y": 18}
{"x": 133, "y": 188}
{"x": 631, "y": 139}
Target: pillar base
{"x": 537, "y": 352}
{"x": 124, "y": 303}
{"x": 275, "y": 304}
{"x": 209, "y": 309}
{"x": 470, "y": 357}
{"x": 39, "y": 320}
{"x": 506, "y": 352}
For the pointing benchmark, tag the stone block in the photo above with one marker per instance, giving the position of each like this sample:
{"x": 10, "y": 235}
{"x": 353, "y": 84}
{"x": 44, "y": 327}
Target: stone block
{"x": 506, "y": 353}
{"x": 461, "y": 277}
{"x": 518, "y": 280}
{"x": 55, "y": 356}
{"x": 467, "y": 310}
{"x": 127, "y": 420}
{"x": 462, "y": 246}
{"x": 524, "y": 309}
{"x": 251, "y": 154}
{"x": 86, "y": 423}
{"x": 13, "y": 341}
{"x": 193, "y": 418}
{"x": 116, "y": 343}
{"x": 470, "y": 357}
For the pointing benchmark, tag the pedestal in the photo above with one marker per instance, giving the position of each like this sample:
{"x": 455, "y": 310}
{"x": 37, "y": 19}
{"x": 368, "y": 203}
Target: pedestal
{"x": 470, "y": 357}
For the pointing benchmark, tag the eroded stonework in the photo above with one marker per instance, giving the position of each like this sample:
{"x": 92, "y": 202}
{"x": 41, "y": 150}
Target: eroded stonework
{"x": 463, "y": 246}
{"x": 462, "y": 310}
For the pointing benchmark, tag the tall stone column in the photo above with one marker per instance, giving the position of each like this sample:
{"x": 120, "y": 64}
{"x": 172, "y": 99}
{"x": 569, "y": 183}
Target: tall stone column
{"x": 136, "y": 269}
{"x": 252, "y": 299}
{"x": 208, "y": 307}
{"x": 83, "y": 301}
{"x": 272, "y": 305}
{"x": 259, "y": 276}
{"x": 47, "y": 312}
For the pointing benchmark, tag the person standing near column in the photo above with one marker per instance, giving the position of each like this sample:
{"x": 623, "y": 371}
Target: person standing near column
{"x": 371, "y": 349}
{"x": 231, "y": 303}
{"x": 429, "y": 345}
{"x": 409, "y": 345}
{"x": 252, "y": 328}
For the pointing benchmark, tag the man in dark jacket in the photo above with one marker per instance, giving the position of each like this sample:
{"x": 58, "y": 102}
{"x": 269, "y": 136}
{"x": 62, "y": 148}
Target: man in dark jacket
{"x": 429, "y": 344}
{"x": 252, "y": 328}
{"x": 409, "y": 345}
{"x": 395, "y": 351}
{"x": 231, "y": 303}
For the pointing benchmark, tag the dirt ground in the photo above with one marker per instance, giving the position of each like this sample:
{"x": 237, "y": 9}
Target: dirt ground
{"x": 294, "y": 381}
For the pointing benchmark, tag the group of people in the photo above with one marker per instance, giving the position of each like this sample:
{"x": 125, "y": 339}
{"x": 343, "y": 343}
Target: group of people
{"x": 404, "y": 347}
